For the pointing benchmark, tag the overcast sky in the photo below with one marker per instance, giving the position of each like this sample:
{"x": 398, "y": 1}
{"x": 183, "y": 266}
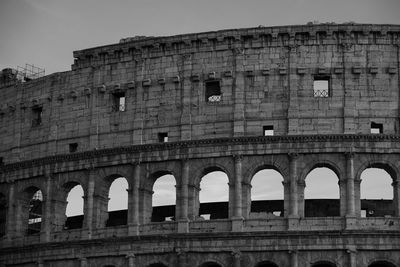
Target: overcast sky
{"x": 46, "y": 32}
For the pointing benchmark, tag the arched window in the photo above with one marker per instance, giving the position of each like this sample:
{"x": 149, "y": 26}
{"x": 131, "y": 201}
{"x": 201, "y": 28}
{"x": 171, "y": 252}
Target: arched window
{"x": 376, "y": 193}
{"x": 74, "y": 209}
{"x": 164, "y": 199}
{"x": 35, "y": 212}
{"x": 118, "y": 202}
{"x": 3, "y": 214}
{"x": 267, "y": 193}
{"x": 321, "y": 194}
{"x": 214, "y": 195}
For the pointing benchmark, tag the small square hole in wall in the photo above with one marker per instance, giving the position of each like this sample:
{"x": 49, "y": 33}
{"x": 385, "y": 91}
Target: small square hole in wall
{"x": 213, "y": 91}
{"x": 119, "y": 101}
{"x": 37, "y": 113}
{"x": 268, "y": 130}
{"x": 376, "y": 128}
{"x": 163, "y": 137}
{"x": 73, "y": 147}
{"x": 321, "y": 86}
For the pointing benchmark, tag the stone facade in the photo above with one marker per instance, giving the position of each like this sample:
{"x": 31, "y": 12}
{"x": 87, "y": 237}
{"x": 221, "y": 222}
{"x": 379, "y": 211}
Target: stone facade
{"x": 191, "y": 104}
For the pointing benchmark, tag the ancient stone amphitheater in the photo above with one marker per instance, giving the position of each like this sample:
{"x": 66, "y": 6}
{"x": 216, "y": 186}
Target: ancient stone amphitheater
{"x": 291, "y": 99}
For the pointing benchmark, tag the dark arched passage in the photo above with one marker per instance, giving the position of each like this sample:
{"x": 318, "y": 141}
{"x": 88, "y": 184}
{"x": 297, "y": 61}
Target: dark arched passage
{"x": 323, "y": 264}
{"x": 266, "y": 264}
{"x": 157, "y": 265}
{"x": 3, "y": 214}
{"x": 382, "y": 264}
{"x": 210, "y": 264}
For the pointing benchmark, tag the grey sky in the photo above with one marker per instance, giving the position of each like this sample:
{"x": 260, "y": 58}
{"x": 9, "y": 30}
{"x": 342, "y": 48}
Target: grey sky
{"x": 45, "y": 32}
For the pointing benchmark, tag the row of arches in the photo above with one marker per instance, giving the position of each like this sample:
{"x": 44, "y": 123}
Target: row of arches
{"x": 379, "y": 263}
{"x": 322, "y": 189}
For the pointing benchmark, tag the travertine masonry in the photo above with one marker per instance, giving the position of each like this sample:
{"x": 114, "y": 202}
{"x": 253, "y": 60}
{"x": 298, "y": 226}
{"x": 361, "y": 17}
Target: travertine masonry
{"x": 191, "y": 104}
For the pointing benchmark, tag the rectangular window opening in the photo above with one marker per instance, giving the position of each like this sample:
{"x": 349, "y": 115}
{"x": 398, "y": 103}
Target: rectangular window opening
{"x": 37, "y": 113}
{"x": 1, "y": 161}
{"x": 321, "y": 86}
{"x": 268, "y": 130}
{"x": 376, "y": 128}
{"x": 119, "y": 101}
{"x": 213, "y": 91}
{"x": 73, "y": 147}
{"x": 163, "y": 137}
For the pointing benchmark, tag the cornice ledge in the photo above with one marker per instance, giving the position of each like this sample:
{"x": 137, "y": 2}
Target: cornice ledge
{"x": 192, "y": 144}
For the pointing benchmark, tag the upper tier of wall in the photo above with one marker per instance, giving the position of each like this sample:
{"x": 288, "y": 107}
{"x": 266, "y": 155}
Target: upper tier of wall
{"x": 265, "y": 75}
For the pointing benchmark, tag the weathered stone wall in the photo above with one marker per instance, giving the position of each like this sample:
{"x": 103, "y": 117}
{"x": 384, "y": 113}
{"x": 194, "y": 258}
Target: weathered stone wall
{"x": 266, "y": 77}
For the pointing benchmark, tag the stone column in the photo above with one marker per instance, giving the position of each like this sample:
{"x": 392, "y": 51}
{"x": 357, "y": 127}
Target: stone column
{"x": 181, "y": 258}
{"x": 237, "y": 213}
{"x": 294, "y": 209}
{"x": 350, "y": 207}
{"x": 131, "y": 259}
{"x": 183, "y": 225}
{"x": 83, "y": 262}
{"x": 286, "y": 198}
{"x": 236, "y": 258}
{"x": 343, "y": 197}
{"x": 193, "y": 202}
{"x": 47, "y": 218}
{"x": 11, "y": 216}
{"x": 294, "y": 261}
{"x": 237, "y": 219}
{"x": 396, "y": 198}
{"x": 133, "y": 207}
{"x": 352, "y": 256}
{"x": 89, "y": 208}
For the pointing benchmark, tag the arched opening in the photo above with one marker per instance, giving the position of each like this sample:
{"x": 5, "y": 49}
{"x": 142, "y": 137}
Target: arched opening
{"x": 117, "y": 202}
{"x": 267, "y": 194}
{"x": 3, "y": 214}
{"x": 382, "y": 264}
{"x": 321, "y": 194}
{"x": 164, "y": 199}
{"x": 214, "y": 195}
{"x": 210, "y": 264}
{"x": 266, "y": 264}
{"x": 35, "y": 211}
{"x": 323, "y": 264}
{"x": 74, "y": 209}
{"x": 157, "y": 265}
{"x": 376, "y": 193}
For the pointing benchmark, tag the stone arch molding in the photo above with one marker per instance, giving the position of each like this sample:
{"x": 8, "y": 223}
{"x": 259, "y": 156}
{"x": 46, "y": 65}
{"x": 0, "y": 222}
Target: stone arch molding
{"x": 392, "y": 169}
{"x": 204, "y": 168}
{"x": 310, "y": 165}
{"x": 260, "y": 164}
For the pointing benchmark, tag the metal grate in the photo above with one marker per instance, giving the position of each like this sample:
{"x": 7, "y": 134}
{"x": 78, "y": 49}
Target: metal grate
{"x": 321, "y": 93}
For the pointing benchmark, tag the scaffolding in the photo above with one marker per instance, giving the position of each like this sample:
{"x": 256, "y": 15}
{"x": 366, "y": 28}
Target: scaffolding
{"x": 29, "y": 72}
